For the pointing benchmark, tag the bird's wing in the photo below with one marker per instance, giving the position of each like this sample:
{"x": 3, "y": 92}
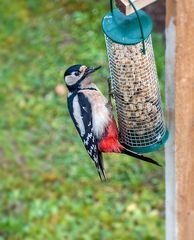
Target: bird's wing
{"x": 81, "y": 114}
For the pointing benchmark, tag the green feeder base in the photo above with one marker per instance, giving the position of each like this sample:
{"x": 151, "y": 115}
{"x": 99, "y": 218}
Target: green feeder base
{"x": 150, "y": 148}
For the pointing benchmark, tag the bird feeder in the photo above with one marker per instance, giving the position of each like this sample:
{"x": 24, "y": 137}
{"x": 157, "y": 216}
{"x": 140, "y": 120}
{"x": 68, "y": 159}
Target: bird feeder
{"x": 134, "y": 79}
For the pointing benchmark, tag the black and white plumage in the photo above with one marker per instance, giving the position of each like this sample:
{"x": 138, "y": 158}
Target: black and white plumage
{"x": 81, "y": 113}
{"x": 93, "y": 117}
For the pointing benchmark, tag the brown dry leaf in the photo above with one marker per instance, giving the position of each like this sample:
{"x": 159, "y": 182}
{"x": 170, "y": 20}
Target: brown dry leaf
{"x": 50, "y": 177}
{"x": 60, "y": 90}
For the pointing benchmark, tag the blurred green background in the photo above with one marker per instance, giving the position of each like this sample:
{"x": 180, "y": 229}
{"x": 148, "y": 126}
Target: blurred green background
{"x": 49, "y": 188}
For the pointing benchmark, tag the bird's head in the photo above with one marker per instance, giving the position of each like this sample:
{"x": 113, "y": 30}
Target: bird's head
{"x": 77, "y": 74}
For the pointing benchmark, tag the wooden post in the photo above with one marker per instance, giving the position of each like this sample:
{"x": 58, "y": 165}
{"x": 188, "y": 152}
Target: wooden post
{"x": 127, "y": 9}
{"x": 180, "y": 117}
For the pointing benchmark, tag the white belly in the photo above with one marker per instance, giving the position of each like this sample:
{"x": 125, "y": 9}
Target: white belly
{"x": 101, "y": 114}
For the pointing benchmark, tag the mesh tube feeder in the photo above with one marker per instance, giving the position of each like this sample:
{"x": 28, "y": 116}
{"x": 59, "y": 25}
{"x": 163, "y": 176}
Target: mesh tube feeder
{"x": 134, "y": 80}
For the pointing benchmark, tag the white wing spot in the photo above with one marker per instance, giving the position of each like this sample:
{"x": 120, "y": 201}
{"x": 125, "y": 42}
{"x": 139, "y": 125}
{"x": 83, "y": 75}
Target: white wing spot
{"x": 95, "y": 159}
{"x": 85, "y": 109}
{"x": 86, "y": 141}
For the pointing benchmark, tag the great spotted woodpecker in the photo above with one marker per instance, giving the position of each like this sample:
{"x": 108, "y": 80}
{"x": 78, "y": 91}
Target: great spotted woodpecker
{"x": 93, "y": 117}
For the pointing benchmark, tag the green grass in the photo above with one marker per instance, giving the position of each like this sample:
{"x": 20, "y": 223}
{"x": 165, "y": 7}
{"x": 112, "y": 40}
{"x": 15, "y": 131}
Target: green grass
{"x": 49, "y": 188}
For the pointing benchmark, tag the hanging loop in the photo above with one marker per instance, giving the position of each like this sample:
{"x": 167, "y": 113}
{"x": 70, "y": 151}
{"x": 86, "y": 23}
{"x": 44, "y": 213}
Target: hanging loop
{"x": 111, "y": 6}
{"x": 139, "y": 21}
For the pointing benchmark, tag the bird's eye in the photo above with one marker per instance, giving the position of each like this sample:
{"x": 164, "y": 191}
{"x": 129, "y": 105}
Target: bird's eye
{"x": 77, "y": 73}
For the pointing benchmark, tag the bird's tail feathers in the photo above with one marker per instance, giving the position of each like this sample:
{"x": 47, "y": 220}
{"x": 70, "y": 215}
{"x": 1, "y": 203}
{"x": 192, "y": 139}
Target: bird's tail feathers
{"x": 139, "y": 156}
{"x": 100, "y": 168}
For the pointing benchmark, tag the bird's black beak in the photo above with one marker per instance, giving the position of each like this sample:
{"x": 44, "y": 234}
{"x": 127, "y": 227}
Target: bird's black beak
{"x": 91, "y": 70}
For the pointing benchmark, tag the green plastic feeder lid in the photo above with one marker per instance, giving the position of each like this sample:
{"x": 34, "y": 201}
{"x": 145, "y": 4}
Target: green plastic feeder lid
{"x": 126, "y": 29}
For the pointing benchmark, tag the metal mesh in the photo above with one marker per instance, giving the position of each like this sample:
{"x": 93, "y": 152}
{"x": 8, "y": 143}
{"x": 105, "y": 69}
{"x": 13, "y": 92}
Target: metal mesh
{"x": 137, "y": 93}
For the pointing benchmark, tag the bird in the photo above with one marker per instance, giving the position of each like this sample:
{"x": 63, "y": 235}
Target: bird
{"x": 92, "y": 115}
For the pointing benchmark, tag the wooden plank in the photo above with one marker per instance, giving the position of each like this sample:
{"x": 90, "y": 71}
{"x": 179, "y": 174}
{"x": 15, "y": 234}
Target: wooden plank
{"x": 184, "y": 134}
{"x": 127, "y": 9}
{"x": 180, "y": 149}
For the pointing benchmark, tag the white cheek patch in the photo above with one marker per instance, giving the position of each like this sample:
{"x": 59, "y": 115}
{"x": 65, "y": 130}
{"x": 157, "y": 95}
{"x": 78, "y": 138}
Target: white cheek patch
{"x": 71, "y": 80}
{"x": 77, "y": 115}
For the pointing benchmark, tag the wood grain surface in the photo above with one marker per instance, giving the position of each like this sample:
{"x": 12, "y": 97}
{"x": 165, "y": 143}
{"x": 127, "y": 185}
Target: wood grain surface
{"x": 126, "y": 7}
{"x": 180, "y": 24}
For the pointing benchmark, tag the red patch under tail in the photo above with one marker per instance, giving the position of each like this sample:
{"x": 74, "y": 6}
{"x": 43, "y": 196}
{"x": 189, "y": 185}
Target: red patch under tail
{"x": 110, "y": 142}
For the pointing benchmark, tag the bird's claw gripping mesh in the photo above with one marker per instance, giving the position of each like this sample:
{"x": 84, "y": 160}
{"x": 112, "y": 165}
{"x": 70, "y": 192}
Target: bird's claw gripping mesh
{"x": 137, "y": 93}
